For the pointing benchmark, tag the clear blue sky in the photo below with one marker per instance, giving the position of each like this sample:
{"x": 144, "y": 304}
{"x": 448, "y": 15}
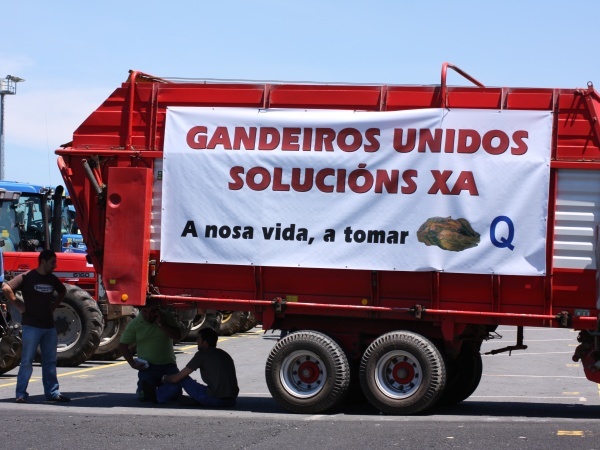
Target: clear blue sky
{"x": 73, "y": 54}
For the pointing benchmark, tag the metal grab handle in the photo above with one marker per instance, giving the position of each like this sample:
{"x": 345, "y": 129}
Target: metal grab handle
{"x": 132, "y": 80}
{"x": 444, "y": 86}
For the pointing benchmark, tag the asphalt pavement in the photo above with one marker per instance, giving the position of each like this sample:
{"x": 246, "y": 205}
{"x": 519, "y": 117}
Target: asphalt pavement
{"x": 537, "y": 398}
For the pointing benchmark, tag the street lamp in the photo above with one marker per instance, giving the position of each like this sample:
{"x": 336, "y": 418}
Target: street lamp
{"x": 8, "y": 86}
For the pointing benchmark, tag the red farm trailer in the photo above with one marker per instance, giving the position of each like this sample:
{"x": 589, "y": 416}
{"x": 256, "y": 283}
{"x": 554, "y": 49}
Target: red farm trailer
{"x": 386, "y": 229}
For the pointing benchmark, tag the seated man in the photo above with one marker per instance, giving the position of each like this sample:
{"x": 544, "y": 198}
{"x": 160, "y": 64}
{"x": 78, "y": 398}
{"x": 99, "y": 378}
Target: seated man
{"x": 216, "y": 369}
{"x": 152, "y": 331}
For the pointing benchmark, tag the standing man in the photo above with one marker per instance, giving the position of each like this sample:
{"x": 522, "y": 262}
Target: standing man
{"x": 152, "y": 331}
{"x": 42, "y": 293}
{"x": 216, "y": 369}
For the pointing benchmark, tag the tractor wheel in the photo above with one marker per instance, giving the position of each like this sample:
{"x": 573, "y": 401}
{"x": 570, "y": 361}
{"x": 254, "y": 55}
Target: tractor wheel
{"x": 184, "y": 328}
{"x": 231, "y": 322}
{"x": 402, "y": 373}
{"x": 204, "y": 320}
{"x": 464, "y": 375}
{"x": 307, "y": 372}
{"x": 10, "y": 352}
{"x": 250, "y": 323}
{"x": 108, "y": 350}
{"x": 10, "y": 340}
{"x": 78, "y": 322}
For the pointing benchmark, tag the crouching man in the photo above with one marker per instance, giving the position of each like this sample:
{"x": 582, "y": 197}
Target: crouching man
{"x": 216, "y": 369}
{"x": 153, "y": 332}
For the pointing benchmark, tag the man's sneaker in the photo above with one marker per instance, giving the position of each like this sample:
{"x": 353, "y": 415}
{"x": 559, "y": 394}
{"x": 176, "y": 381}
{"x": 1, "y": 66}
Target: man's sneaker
{"x": 60, "y": 398}
{"x": 149, "y": 391}
{"x": 21, "y": 400}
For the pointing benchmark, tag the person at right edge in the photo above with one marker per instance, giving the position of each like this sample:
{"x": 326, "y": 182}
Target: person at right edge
{"x": 217, "y": 370}
{"x": 152, "y": 332}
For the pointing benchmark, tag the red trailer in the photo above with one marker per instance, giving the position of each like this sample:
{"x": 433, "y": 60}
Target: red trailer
{"x": 387, "y": 229}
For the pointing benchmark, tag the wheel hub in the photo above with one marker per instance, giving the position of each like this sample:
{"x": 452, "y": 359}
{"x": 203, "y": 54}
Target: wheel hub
{"x": 308, "y": 372}
{"x": 68, "y": 327}
{"x": 303, "y": 374}
{"x": 61, "y": 325}
{"x": 403, "y": 372}
{"x": 398, "y": 374}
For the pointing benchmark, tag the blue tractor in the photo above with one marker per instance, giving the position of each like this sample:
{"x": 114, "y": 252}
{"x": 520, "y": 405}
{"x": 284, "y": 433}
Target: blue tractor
{"x": 43, "y": 218}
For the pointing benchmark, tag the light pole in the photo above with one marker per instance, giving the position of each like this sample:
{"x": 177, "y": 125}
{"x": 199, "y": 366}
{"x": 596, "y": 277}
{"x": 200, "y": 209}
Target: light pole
{"x": 8, "y": 86}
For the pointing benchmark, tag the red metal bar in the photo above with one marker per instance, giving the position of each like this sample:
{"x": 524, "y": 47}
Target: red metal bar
{"x": 591, "y": 98}
{"x": 133, "y": 76}
{"x": 67, "y": 177}
{"x": 97, "y": 152}
{"x": 132, "y": 80}
{"x": 293, "y": 305}
{"x": 579, "y": 165}
{"x": 98, "y": 175}
{"x": 488, "y": 314}
{"x": 444, "y": 86}
{"x": 550, "y": 227}
{"x": 247, "y": 304}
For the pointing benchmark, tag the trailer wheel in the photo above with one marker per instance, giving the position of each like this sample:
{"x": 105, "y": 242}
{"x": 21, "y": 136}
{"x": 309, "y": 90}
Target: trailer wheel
{"x": 464, "y": 375}
{"x": 78, "y": 322}
{"x": 10, "y": 352}
{"x": 307, "y": 372}
{"x": 231, "y": 322}
{"x": 108, "y": 350}
{"x": 402, "y": 373}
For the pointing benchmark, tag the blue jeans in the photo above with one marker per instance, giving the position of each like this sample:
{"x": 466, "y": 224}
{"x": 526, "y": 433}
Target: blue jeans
{"x": 197, "y": 391}
{"x": 153, "y": 374}
{"x": 47, "y": 340}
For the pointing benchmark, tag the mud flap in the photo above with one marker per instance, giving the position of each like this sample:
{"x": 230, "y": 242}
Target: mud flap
{"x": 127, "y": 234}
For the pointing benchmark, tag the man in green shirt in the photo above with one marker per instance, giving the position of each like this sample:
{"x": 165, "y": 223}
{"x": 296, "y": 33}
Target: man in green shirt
{"x": 152, "y": 332}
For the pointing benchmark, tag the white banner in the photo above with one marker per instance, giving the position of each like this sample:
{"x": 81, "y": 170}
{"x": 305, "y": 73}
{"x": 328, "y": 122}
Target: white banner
{"x": 457, "y": 191}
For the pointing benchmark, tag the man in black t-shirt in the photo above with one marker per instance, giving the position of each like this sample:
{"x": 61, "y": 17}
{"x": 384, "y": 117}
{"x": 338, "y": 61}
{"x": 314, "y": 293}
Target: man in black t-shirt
{"x": 42, "y": 293}
{"x": 216, "y": 369}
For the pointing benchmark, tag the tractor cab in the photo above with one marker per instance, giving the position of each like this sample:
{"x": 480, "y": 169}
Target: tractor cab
{"x": 34, "y": 220}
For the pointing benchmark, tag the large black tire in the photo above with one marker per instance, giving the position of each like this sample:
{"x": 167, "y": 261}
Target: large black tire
{"x": 10, "y": 342}
{"x": 402, "y": 373}
{"x": 231, "y": 322}
{"x": 250, "y": 323}
{"x": 464, "y": 375}
{"x": 204, "y": 320}
{"x": 184, "y": 328}
{"x": 108, "y": 350}
{"x": 307, "y": 372}
{"x": 10, "y": 352}
{"x": 78, "y": 322}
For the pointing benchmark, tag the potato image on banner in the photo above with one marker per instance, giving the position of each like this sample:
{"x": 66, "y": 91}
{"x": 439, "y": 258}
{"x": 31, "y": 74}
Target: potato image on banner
{"x": 450, "y": 234}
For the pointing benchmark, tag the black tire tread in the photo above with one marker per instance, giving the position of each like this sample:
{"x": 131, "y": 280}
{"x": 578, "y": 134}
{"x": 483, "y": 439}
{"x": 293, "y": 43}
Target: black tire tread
{"x": 92, "y": 325}
{"x": 10, "y": 353}
{"x": 332, "y": 355}
{"x": 464, "y": 378}
{"x": 433, "y": 366}
{"x": 111, "y": 351}
{"x": 231, "y": 325}
{"x": 205, "y": 320}
{"x": 251, "y": 322}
